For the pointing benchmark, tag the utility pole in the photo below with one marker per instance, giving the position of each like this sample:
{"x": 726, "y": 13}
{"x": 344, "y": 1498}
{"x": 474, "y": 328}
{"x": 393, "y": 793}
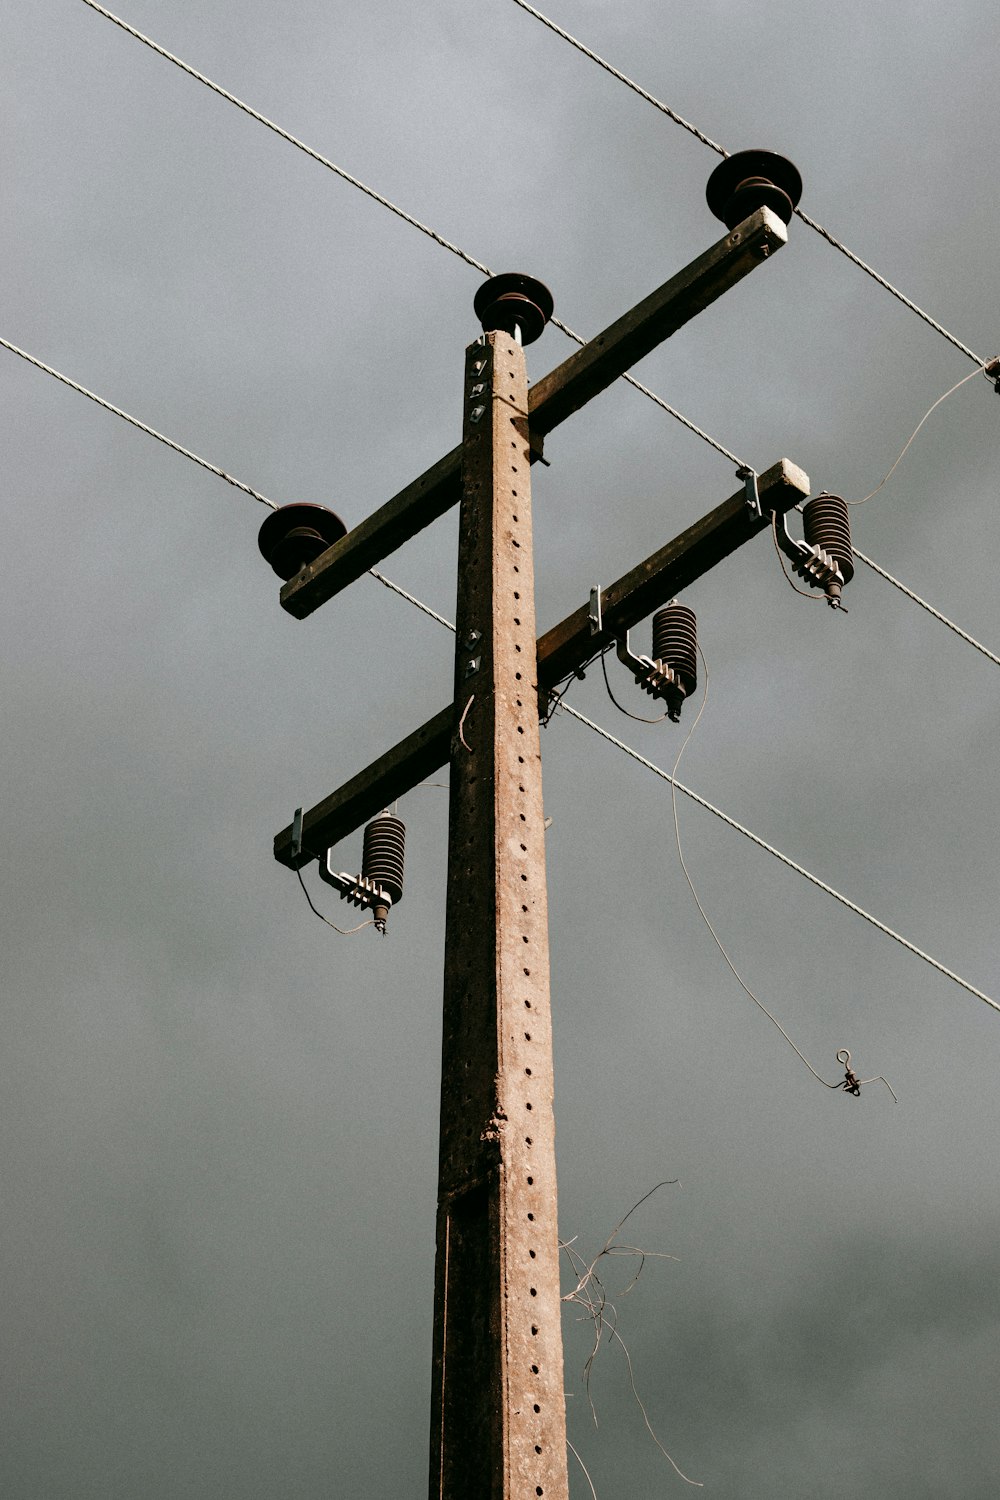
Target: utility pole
{"x": 498, "y": 1415}
{"x": 498, "y": 1424}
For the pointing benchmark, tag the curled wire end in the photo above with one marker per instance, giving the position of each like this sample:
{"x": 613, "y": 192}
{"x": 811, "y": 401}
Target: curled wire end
{"x": 852, "y": 1084}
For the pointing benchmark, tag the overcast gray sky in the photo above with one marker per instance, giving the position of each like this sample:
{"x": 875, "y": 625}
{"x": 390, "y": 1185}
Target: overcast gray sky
{"x": 220, "y": 1119}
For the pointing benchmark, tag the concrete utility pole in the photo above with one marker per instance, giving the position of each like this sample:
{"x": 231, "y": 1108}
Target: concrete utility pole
{"x": 498, "y": 1415}
{"x": 498, "y": 1424}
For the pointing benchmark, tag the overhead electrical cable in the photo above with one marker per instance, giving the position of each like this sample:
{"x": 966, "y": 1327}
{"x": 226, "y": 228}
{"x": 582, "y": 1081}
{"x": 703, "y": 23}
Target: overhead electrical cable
{"x": 246, "y": 489}
{"x": 286, "y": 135}
{"x": 142, "y": 426}
{"x": 706, "y": 140}
{"x": 415, "y": 223}
{"x": 754, "y": 838}
{"x": 471, "y": 260}
{"x": 936, "y": 613}
{"x": 564, "y": 707}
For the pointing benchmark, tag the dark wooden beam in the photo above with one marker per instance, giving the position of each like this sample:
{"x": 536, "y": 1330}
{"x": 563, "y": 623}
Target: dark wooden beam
{"x": 414, "y": 759}
{"x": 563, "y": 391}
{"x": 560, "y": 650}
{"x": 654, "y": 582}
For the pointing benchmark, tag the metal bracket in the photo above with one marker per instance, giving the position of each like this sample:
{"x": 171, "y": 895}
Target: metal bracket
{"x": 814, "y": 566}
{"x": 654, "y": 677}
{"x": 359, "y": 890}
{"x": 749, "y": 478}
{"x": 595, "y": 618}
{"x": 297, "y": 833}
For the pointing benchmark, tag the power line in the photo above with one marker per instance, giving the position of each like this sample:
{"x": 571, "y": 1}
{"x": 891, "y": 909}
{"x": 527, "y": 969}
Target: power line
{"x": 565, "y": 707}
{"x": 134, "y": 421}
{"x": 469, "y": 260}
{"x": 246, "y": 489}
{"x": 439, "y": 239}
{"x": 739, "y": 828}
{"x": 671, "y": 114}
{"x": 286, "y": 135}
{"x": 770, "y": 849}
{"x": 936, "y": 613}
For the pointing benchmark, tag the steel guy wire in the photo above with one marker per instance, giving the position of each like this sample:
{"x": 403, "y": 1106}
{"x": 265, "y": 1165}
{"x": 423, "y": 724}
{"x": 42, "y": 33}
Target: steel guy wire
{"x": 412, "y": 599}
{"x": 665, "y": 109}
{"x": 142, "y": 426}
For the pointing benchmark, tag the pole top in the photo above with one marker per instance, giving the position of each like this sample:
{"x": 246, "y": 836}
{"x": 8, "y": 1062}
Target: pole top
{"x": 514, "y": 303}
{"x": 749, "y": 180}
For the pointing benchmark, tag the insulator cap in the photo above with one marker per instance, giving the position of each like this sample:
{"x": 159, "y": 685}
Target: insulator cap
{"x": 675, "y": 643}
{"x": 750, "y": 180}
{"x": 382, "y": 856}
{"x": 827, "y": 524}
{"x": 512, "y": 301}
{"x": 295, "y": 535}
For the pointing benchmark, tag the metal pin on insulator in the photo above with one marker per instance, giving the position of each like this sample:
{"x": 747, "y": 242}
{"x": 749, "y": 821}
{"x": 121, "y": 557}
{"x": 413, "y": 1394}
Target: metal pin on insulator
{"x": 827, "y": 524}
{"x": 382, "y": 863}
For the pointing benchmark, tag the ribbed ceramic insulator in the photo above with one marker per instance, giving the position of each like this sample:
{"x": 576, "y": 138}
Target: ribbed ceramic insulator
{"x": 675, "y": 643}
{"x": 382, "y": 857}
{"x": 827, "y": 523}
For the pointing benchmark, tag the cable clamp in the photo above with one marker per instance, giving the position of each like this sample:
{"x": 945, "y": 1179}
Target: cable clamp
{"x": 752, "y": 492}
{"x": 594, "y": 616}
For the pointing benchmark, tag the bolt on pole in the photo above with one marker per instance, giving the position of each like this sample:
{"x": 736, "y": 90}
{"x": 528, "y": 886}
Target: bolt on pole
{"x": 498, "y": 1424}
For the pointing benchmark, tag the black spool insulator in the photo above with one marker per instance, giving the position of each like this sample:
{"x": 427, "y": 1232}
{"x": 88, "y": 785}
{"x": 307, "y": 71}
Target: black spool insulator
{"x": 749, "y": 180}
{"x": 294, "y": 535}
{"x": 513, "y": 301}
{"x": 675, "y": 643}
{"x": 382, "y": 857}
{"x": 827, "y": 524}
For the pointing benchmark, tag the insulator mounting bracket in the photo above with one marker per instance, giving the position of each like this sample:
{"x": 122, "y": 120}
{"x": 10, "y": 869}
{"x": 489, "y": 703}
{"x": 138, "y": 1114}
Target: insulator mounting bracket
{"x": 814, "y": 566}
{"x": 654, "y": 677}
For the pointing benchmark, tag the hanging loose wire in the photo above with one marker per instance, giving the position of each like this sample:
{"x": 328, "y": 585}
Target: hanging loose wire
{"x": 344, "y": 931}
{"x": 814, "y": 598}
{"x": 849, "y": 1082}
{"x": 909, "y": 440}
{"x": 639, "y": 718}
{"x": 717, "y": 812}
{"x": 706, "y": 140}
